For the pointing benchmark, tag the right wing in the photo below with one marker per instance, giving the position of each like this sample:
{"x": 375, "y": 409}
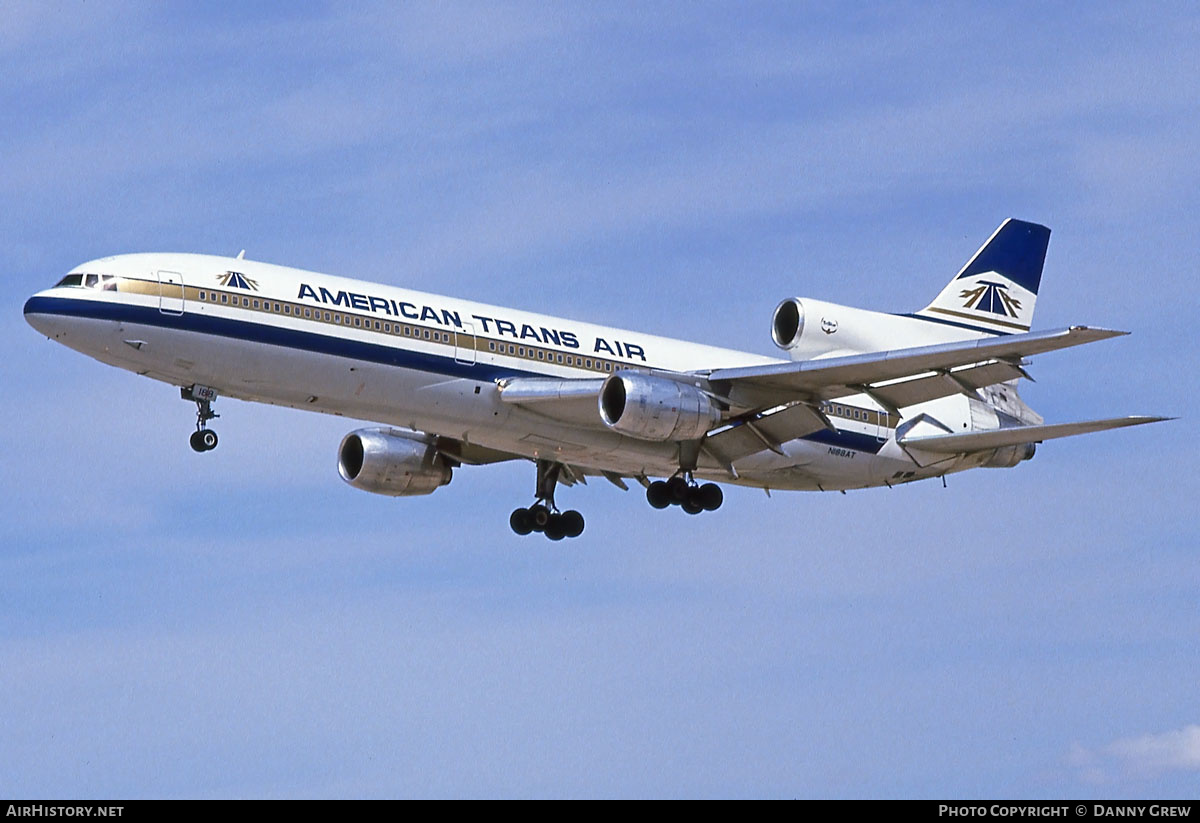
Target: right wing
{"x": 981, "y": 440}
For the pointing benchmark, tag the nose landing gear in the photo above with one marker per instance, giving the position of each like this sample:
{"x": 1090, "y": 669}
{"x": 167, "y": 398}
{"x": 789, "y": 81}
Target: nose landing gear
{"x": 202, "y": 439}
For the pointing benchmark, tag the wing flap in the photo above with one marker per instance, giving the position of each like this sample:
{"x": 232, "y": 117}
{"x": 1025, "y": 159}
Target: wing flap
{"x": 933, "y": 385}
{"x": 979, "y": 441}
{"x": 766, "y": 431}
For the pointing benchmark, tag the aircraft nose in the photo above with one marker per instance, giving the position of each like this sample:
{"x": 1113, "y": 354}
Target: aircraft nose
{"x": 36, "y": 314}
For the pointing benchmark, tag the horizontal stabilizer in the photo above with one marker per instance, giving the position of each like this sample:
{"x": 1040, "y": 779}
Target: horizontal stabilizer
{"x": 978, "y": 441}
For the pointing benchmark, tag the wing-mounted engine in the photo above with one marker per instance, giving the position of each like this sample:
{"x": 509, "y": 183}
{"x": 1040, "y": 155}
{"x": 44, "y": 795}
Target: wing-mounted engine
{"x": 655, "y": 408}
{"x": 386, "y": 461}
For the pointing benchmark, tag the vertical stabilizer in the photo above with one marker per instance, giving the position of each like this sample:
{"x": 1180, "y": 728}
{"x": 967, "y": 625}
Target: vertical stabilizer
{"x": 996, "y": 291}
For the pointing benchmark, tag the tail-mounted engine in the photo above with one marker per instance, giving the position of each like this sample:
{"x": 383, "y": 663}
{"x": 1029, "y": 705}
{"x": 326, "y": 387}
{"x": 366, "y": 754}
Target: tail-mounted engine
{"x": 389, "y": 462}
{"x": 807, "y": 328}
{"x": 654, "y": 408}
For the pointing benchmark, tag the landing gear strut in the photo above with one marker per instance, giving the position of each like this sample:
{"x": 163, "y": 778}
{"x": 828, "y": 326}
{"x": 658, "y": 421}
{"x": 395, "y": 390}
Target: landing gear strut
{"x": 543, "y": 516}
{"x": 683, "y": 491}
{"x": 202, "y": 439}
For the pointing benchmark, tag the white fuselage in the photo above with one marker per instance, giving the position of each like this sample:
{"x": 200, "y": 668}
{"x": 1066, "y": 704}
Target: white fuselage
{"x": 294, "y": 338}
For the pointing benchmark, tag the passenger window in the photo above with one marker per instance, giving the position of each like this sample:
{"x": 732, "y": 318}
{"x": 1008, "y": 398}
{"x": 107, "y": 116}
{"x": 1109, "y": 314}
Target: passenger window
{"x": 224, "y": 298}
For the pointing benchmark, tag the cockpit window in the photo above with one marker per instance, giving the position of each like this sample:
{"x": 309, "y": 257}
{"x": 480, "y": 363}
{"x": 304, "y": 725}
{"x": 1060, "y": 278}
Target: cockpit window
{"x": 106, "y": 282}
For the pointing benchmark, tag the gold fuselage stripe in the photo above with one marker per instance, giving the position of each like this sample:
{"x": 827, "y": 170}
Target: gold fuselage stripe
{"x": 978, "y": 319}
{"x": 465, "y": 340}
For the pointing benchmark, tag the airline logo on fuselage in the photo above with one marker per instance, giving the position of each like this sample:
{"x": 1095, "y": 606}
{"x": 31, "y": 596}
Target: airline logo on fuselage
{"x": 237, "y": 280}
{"x": 991, "y": 297}
{"x": 454, "y": 320}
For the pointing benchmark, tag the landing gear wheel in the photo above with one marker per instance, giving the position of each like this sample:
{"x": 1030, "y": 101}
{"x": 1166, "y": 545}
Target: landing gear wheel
{"x": 543, "y": 516}
{"x": 521, "y": 521}
{"x": 691, "y": 501}
{"x": 572, "y": 522}
{"x": 555, "y": 528}
{"x": 203, "y": 440}
{"x": 658, "y": 495}
{"x": 539, "y": 517}
{"x": 678, "y": 487}
{"x": 711, "y": 497}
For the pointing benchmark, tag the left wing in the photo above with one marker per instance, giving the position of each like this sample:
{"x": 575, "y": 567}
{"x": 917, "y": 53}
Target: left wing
{"x": 770, "y": 405}
{"x": 896, "y": 378}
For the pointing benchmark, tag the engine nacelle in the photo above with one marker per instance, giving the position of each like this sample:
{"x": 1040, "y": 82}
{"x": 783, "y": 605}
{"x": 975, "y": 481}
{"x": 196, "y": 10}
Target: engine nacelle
{"x": 654, "y": 408}
{"x": 384, "y": 461}
{"x": 807, "y": 328}
{"x": 1006, "y": 457}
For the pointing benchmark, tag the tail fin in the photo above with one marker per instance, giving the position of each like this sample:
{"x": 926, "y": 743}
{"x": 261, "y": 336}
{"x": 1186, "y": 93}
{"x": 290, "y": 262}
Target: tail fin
{"x": 996, "y": 291}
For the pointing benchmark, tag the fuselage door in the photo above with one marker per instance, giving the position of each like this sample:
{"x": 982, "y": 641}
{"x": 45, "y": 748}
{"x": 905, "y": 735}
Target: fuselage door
{"x": 170, "y": 292}
{"x": 464, "y": 345}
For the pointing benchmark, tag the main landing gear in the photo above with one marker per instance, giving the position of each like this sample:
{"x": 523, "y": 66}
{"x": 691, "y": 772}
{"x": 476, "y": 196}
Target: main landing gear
{"x": 543, "y": 516}
{"x": 202, "y": 439}
{"x": 683, "y": 491}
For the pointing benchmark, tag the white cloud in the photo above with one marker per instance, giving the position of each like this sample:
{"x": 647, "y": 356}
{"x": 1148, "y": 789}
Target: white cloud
{"x": 1147, "y": 756}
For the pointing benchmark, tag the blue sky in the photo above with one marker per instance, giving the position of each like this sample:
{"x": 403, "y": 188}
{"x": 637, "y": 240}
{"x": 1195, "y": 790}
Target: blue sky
{"x": 242, "y": 623}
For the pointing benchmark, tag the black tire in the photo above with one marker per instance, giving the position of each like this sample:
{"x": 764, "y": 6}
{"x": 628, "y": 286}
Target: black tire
{"x": 678, "y": 488}
{"x": 658, "y": 495}
{"x": 540, "y": 517}
{"x": 208, "y": 439}
{"x": 691, "y": 503}
{"x": 555, "y": 528}
{"x": 194, "y": 442}
{"x": 711, "y": 497}
{"x": 521, "y": 521}
{"x": 572, "y": 523}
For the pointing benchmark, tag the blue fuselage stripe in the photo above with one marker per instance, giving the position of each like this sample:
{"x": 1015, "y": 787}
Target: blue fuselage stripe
{"x": 273, "y": 335}
{"x": 337, "y": 346}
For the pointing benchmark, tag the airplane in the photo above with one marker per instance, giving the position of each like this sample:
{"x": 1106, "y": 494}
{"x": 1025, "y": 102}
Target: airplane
{"x": 863, "y": 398}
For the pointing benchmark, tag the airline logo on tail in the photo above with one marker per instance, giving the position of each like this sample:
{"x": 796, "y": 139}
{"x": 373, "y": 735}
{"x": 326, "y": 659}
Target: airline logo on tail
{"x": 991, "y": 297}
{"x": 997, "y": 289}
